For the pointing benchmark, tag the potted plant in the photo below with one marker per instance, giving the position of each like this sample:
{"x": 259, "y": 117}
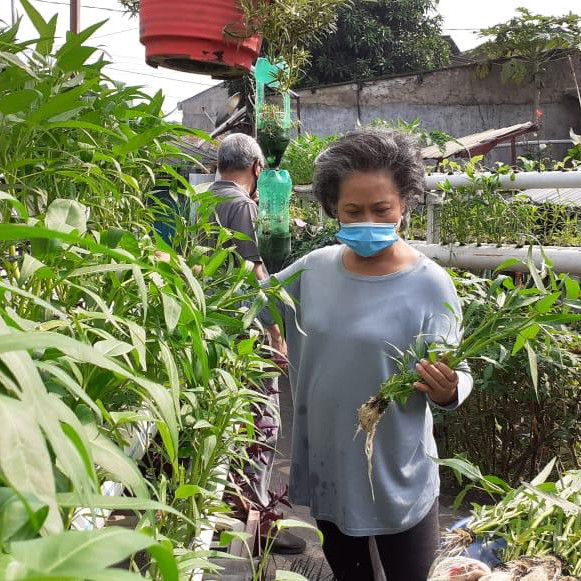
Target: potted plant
{"x": 198, "y": 36}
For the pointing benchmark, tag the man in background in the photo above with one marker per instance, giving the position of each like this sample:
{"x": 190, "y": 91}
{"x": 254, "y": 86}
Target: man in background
{"x": 240, "y": 161}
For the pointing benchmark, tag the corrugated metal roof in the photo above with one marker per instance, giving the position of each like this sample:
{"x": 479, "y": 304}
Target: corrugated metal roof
{"x": 478, "y": 143}
{"x": 562, "y": 196}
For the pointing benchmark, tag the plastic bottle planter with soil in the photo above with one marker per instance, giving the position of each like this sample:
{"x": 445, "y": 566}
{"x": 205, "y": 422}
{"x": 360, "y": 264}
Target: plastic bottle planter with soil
{"x": 274, "y": 241}
{"x": 273, "y": 118}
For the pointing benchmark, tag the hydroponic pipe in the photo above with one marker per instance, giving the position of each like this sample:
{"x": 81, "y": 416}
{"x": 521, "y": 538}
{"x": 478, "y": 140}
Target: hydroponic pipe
{"x": 516, "y": 181}
{"x": 489, "y": 257}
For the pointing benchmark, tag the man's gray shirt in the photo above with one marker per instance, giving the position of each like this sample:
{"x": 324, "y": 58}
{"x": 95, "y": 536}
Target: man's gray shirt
{"x": 339, "y": 354}
{"x": 239, "y": 213}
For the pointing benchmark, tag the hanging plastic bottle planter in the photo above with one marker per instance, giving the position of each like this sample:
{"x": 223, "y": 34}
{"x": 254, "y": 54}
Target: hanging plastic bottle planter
{"x": 274, "y": 241}
{"x": 273, "y": 129}
{"x": 192, "y": 36}
{"x": 273, "y": 117}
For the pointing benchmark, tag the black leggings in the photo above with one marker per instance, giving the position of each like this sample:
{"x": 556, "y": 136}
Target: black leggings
{"x": 405, "y": 556}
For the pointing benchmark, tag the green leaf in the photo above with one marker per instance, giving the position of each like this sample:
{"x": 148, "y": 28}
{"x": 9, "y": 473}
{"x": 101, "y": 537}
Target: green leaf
{"x": 157, "y": 396}
{"x": 31, "y": 266}
{"x": 138, "y": 338}
{"x": 165, "y": 562}
{"x": 533, "y": 367}
{"x": 66, "y": 216}
{"x": 522, "y": 338}
{"x": 72, "y": 500}
{"x": 21, "y": 516}
{"x": 289, "y": 523}
{"x": 553, "y": 499}
{"x": 545, "y": 304}
{"x": 534, "y": 272}
{"x": 113, "y": 347}
{"x": 141, "y": 288}
{"x": 172, "y": 373}
{"x": 542, "y": 476}
{"x": 139, "y": 140}
{"x": 226, "y": 537}
{"x": 17, "y": 101}
{"x": 79, "y": 553}
{"x": 193, "y": 284}
{"x": 507, "y": 264}
{"x": 208, "y": 450}
{"x": 115, "y": 461}
{"x": 73, "y": 60}
{"x": 61, "y": 104}
{"x": 188, "y": 490}
{"x": 572, "y": 288}
{"x": 17, "y": 204}
{"x": 70, "y": 385}
{"x": 17, "y": 62}
{"x": 257, "y": 306}
{"x": 24, "y": 458}
{"x": 215, "y": 262}
{"x": 172, "y": 309}
{"x": 46, "y": 30}
{"x": 461, "y": 466}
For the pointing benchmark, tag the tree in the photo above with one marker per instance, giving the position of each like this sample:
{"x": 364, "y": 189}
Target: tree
{"x": 528, "y": 42}
{"x": 379, "y": 37}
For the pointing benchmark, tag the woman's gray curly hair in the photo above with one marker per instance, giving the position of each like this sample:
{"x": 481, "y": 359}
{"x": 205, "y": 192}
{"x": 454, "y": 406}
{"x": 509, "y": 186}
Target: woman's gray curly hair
{"x": 389, "y": 150}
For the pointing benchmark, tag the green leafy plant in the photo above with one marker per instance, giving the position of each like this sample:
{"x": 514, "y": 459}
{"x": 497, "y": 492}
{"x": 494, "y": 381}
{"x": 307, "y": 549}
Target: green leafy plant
{"x": 299, "y": 158}
{"x": 539, "y": 519}
{"x": 286, "y": 27}
{"x": 514, "y": 429}
{"x": 528, "y": 42}
{"x": 506, "y": 317}
{"x": 104, "y": 327}
{"x": 425, "y": 137}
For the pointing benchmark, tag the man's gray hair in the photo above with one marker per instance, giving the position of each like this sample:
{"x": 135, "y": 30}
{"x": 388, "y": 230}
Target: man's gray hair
{"x": 369, "y": 150}
{"x": 238, "y": 152}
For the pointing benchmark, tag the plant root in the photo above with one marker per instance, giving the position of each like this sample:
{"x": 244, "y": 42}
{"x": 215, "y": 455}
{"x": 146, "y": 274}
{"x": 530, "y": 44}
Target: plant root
{"x": 369, "y": 415}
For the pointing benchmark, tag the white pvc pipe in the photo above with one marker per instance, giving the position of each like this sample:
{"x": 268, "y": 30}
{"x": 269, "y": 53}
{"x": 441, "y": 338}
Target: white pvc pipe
{"x": 489, "y": 257}
{"x": 515, "y": 181}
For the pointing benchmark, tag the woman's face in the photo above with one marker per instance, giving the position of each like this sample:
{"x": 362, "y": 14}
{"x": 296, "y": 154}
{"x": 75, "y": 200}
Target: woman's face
{"x": 370, "y": 196}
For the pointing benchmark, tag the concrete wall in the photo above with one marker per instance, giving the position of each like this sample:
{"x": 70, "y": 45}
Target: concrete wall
{"x": 455, "y": 100}
{"x": 201, "y": 110}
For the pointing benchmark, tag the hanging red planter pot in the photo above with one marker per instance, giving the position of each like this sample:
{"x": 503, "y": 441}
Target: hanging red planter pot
{"x": 189, "y": 35}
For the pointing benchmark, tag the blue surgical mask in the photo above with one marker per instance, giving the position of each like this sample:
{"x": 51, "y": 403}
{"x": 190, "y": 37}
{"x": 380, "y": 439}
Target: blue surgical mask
{"x": 367, "y": 238}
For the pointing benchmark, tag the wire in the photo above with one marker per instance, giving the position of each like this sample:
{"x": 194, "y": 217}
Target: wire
{"x": 163, "y": 78}
{"x": 113, "y": 33}
{"x": 83, "y": 6}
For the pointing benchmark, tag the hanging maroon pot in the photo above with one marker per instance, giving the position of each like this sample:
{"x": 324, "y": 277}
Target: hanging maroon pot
{"x": 189, "y": 35}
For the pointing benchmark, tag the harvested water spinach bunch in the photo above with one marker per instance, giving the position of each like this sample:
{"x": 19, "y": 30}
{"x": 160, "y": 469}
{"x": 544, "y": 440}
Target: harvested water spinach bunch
{"x": 502, "y": 315}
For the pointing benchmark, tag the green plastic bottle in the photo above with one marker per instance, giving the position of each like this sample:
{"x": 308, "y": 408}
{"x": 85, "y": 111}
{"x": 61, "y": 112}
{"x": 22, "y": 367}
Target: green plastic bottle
{"x": 274, "y": 241}
{"x": 273, "y": 118}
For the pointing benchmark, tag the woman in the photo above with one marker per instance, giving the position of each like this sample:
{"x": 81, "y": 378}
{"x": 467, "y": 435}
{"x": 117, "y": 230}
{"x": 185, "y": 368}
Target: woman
{"x": 356, "y": 303}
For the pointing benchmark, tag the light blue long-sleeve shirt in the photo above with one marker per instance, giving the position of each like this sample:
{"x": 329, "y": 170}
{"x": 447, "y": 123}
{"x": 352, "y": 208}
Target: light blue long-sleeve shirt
{"x": 351, "y": 323}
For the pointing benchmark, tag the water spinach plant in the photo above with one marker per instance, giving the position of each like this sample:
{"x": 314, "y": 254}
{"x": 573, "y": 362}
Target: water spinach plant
{"x": 505, "y": 320}
{"x": 104, "y": 326}
{"x": 537, "y": 519}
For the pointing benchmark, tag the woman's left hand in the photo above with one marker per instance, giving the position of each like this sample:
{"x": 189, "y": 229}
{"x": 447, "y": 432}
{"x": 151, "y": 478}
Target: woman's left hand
{"x": 441, "y": 382}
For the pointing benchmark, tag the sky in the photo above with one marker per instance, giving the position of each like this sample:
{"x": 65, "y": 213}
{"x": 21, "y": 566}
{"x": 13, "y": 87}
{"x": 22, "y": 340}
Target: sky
{"x": 119, "y": 37}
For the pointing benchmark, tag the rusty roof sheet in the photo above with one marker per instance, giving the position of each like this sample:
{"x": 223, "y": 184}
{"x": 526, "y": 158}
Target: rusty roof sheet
{"x": 478, "y": 143}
